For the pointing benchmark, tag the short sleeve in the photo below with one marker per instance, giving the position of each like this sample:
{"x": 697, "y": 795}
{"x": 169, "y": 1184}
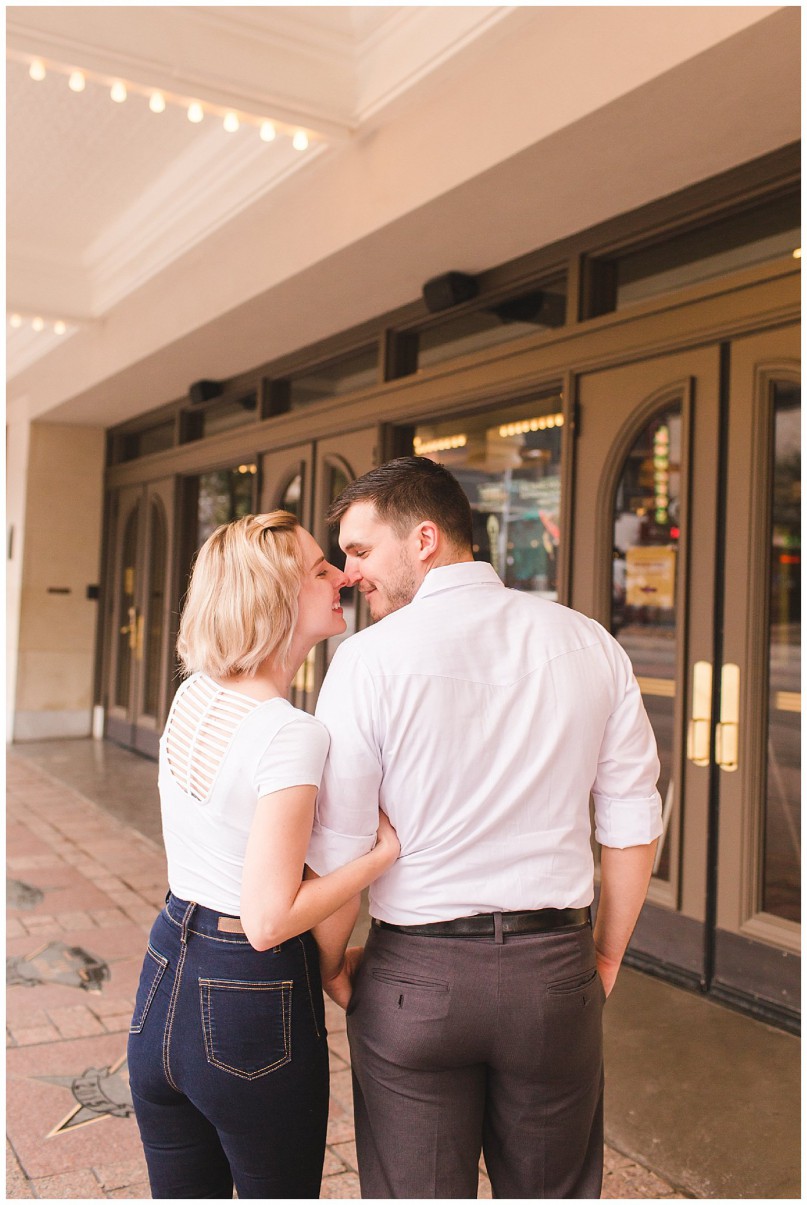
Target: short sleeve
{"x": 295, "y": 757}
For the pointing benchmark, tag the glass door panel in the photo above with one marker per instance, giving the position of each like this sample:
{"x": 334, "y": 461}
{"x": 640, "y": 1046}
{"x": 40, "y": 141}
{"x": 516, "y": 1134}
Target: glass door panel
{"x": 644, "y": 464}
{"x": 757, "y": 937}
{"x": 781, "y": 869}
{"x": 645, "y": 586}
{"x": 139, "y": 679}
{"x": 508, "y": 461}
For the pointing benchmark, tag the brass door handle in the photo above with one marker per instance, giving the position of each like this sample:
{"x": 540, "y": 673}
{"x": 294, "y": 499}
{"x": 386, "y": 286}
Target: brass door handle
{"x": 727, "y": 734}
{"x": 699, "y": 731}
{"x": 130, "y": 628}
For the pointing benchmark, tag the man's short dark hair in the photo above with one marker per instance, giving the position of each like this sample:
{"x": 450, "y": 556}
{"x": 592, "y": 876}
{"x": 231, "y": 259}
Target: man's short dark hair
{"x": 407, "y": 491}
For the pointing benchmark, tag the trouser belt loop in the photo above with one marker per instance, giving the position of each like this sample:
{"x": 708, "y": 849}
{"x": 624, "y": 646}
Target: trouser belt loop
{"x": 186, "y": 920}
{"x": 497, "y": 928}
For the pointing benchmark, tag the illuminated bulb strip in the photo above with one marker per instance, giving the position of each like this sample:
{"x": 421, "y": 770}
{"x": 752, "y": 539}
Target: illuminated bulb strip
{"x": 37, "y": 323}
{"x": 424, "y": 446}
{"x": 158, "y": 100}
{"x": 545, "y": 422}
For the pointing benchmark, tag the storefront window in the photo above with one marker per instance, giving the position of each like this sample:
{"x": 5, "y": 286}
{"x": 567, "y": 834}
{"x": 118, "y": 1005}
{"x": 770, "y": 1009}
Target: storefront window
{"x": 224, "y": 495}
{"x": 508, "y": 462}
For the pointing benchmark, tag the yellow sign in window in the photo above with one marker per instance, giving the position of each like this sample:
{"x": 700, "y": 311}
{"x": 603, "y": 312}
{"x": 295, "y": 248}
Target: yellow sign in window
{"x": 650, "y": 577}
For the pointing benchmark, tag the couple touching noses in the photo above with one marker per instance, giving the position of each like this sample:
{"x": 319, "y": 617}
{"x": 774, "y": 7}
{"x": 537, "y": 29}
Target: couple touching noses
{"x": 481, "y": 721}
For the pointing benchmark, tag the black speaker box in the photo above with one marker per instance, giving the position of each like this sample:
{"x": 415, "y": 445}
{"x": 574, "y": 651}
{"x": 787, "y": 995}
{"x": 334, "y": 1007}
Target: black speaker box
{"x": 443, "y": 292}
{"x": 205, "y": 391}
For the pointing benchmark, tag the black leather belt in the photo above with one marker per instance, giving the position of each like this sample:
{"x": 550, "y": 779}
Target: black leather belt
{"x": 484, "y": 925}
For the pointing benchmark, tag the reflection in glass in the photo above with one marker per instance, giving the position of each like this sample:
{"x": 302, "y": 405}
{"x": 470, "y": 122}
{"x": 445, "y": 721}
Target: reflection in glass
{"x": 782, "y": 822}
{"x": 644, "y": 582}
{"x": 158, "y": 550}
{"x": 508, "y": 463}
{"x": 127, "y": 617}
{"x": 292, "y": 497}
{"x": 223, "y": 496}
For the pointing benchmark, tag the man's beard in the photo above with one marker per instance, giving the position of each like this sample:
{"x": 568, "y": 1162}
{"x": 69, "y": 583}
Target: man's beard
{"x": 399, "y": 590}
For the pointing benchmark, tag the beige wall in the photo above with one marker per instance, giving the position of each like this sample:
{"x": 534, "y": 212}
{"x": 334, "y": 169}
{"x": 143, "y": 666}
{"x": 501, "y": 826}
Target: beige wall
{"x": 59, "y": 547}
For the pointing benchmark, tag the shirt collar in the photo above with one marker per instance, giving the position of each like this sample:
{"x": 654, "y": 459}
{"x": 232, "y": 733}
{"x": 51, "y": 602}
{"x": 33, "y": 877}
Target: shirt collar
{"x": 464, "y": 573}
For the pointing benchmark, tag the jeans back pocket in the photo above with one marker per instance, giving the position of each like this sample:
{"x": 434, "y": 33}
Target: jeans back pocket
{"x": 247, "y": 1025}
{"x": 154, "y": 967}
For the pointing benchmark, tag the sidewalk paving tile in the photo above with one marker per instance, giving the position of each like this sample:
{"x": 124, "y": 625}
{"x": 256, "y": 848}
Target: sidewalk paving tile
{"x": 71, "y": 1130}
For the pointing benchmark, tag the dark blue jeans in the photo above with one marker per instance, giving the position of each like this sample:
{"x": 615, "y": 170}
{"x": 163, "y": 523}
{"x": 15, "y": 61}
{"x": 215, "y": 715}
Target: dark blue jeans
{"x": 228, "y": 1061}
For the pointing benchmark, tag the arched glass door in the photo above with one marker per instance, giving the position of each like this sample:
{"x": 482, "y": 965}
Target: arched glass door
{"x": 140, "y": 631}
{"x": 685, "y": 505}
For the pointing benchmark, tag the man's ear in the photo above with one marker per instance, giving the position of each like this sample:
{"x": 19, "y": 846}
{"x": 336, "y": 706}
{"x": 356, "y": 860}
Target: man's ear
{"x": 428, "y": 539}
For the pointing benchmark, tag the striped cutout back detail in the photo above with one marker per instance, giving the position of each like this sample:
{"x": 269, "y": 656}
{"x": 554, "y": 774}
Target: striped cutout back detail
{"x": 200, "y": 730}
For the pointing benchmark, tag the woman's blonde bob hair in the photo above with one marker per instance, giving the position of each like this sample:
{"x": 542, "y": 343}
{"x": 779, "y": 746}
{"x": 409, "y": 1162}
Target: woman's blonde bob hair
{"x": 242, "y": 601}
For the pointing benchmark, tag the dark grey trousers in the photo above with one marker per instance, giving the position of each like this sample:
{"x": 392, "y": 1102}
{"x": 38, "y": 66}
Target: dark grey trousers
{"x": 464, "y": 1045}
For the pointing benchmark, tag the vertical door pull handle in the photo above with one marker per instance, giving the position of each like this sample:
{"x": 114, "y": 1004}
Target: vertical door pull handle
{"x": 727, "y": 735}
{"x": 698, "y": 734}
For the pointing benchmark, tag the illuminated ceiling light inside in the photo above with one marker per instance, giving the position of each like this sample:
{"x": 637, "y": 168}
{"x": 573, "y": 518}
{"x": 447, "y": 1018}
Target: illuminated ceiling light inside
{"x": 231, "y": 122}
{"x": 157, "y": 102}
{"x": 77, "y": 82}
{"x": 59, "y": 327}
{"x": 195, "y": 113}
{"x": 37, "y": 70}
{"x": 16, "y": 321}
{"x": 797, "y": 253}
{"x": 118, "y": 92}
{"x": 300, "y": 141}
{"x": 268, "y": 132}
{"x": 38, "y": 324}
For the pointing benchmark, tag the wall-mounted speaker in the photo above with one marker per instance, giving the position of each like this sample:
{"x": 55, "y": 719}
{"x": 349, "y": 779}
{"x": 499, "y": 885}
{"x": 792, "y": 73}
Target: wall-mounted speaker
{"x": 205, "y": 391}
{"x": 450, "y": 289}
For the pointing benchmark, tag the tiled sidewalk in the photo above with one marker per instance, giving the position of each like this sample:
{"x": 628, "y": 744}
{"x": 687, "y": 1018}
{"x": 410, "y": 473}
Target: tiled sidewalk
{"x": 83, "y": 890}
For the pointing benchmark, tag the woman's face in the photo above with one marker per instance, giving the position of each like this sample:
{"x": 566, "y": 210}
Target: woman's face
{"x": 320, "y": 614}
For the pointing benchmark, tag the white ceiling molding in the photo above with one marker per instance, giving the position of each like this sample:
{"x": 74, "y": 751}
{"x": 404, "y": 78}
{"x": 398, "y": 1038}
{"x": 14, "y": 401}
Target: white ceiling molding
{"x": 168, "y": 219}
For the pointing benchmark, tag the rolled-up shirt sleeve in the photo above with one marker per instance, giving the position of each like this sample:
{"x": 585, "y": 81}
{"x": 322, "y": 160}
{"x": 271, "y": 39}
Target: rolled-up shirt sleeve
{"x": 346, "y": 816}
{"x": 627, "y": 805}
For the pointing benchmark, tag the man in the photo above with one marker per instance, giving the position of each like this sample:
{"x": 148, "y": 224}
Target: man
{"x": 482, "y": 720}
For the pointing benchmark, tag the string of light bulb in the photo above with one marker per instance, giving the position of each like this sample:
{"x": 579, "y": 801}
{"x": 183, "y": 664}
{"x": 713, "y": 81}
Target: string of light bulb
{"x": 158, "y": 100}
{"x": 37, "y": 322}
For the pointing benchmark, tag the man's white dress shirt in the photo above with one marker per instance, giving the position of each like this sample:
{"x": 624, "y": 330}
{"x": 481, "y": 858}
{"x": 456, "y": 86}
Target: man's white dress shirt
{"x": 482, "y": 720}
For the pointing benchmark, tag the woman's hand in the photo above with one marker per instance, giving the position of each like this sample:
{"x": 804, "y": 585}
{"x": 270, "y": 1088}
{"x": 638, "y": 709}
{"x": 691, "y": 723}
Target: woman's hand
{"x": 387, "y": 840}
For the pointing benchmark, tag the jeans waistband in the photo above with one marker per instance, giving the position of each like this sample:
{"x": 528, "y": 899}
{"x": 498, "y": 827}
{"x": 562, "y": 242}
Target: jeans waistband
{"x": 206, "y": 921}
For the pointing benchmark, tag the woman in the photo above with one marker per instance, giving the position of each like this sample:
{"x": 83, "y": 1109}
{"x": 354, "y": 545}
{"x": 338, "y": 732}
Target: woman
{"x": 228, "y": 1061}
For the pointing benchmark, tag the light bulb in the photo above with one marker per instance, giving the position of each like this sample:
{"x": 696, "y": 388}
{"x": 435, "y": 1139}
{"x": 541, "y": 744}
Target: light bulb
{"x": 38, "y": 324}
{"x": 231, "y": 122}
{"x": 37, "y": 70}
{"x": 300, "y": 140}
{"x": 77, "y": 82}
{"x": 59, "y": 327}
{"x": 195, "y": 113}
{"x": 118, "y": 92}
{"x": 157, "y": 102}
{"x": 16, "y": 321}
{"x": 797, "y": 253}
{"x": 268, "y": 132}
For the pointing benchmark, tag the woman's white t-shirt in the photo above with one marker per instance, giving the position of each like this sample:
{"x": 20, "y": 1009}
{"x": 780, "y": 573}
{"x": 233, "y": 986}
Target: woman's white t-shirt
{"x": 220, "y": 752}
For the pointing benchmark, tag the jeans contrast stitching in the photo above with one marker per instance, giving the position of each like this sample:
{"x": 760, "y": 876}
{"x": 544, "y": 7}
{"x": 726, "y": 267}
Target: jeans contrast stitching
{"x": 310, "y": 993}
{"x": 175, "y": 995}
{"x": 162, "y": 963}
{"x": 285, "y": 988}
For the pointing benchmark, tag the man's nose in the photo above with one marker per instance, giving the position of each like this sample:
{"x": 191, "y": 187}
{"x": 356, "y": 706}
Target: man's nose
{"x": 352, "y": 572}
